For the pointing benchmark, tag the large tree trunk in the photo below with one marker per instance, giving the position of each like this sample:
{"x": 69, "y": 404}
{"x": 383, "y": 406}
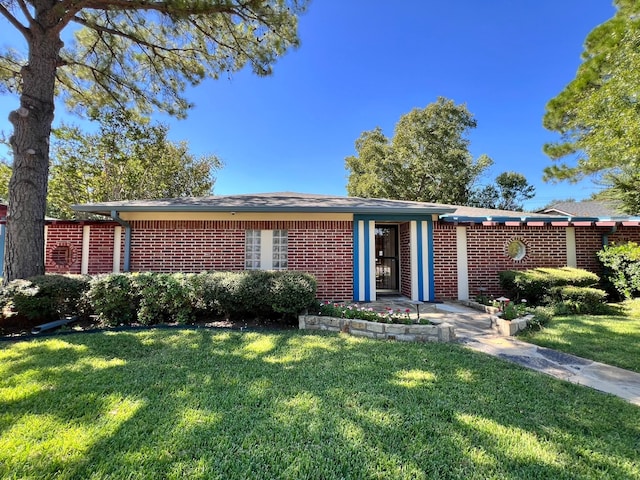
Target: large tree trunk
{"x": 24, "y": 250}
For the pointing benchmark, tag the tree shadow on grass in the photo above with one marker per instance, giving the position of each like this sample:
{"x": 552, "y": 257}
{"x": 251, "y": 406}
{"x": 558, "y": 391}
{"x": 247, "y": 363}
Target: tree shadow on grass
{"x": 291, "y": 405}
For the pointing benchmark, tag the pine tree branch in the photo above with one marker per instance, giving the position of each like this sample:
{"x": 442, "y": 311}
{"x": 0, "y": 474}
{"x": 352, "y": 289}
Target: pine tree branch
{"x": 201, "y": 8}
{"x": 15, "y": 22}
{"x": 25, "y": 11}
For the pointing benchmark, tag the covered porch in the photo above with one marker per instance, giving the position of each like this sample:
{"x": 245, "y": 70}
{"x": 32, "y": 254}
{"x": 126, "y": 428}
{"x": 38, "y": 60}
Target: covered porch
{"x": 393, "y": 255}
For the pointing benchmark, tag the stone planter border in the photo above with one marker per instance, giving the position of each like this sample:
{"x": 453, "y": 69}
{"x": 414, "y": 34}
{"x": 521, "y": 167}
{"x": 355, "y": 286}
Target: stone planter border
{"x": 509, "y": 327}
{"x": 442, "y": 332}
{"x": 480, "y": 306}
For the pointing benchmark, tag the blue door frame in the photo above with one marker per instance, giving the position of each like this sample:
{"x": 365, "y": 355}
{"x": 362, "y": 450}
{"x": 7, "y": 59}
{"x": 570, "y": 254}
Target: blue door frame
{"x": 421, "y": 248}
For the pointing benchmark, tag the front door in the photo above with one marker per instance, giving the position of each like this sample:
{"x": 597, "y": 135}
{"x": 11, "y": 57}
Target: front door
{"x": 387, "y": 260}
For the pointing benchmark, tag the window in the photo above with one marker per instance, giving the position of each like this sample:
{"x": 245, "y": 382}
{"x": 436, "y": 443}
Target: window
{"x": 516, "y": 250}
{"x": 280, "y": 245}
{"x": 266, "y": 250}
{"x": 252, "y": 250}
{"x": 61, "y": 255}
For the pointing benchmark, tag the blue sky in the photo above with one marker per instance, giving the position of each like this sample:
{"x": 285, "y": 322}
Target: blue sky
{"x": 364, "y": 63}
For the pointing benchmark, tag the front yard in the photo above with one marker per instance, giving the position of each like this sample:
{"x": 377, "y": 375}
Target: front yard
{"x": 206, "y": 404}
{"x": 612, "y": 339}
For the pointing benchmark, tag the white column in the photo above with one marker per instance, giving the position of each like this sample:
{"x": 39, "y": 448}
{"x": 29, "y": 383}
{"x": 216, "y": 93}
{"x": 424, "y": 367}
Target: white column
{"x": 86, "y": 237}
{"x": 372, "y": 260}
{"x": 424, "y": 270}
{"x": 462, "y": 263}
{"x": 572, "y": 260}
{"x": 360, "y": 261}
{"x": 117, "y": 248}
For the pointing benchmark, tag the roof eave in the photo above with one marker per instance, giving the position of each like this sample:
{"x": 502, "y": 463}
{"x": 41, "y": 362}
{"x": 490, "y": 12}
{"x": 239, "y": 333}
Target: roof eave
{"x": 107, "y": 209}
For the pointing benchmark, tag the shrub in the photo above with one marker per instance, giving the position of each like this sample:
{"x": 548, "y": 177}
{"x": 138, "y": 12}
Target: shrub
{"x": 242, "y": 293}
{"x": 510, "y": 311}
{"x": 541, "y": 317}
{"x": 151, "y": 298}
{"x": 569, "y": 300}
{"x": 204, "y": 288}
{"x": 622, "y": 268}
{"x": 534, "y": 285}
{"x": 112, "y": 298}
{"x": 43, "y": 299}
{"x": 292, "y": 292}
{"x": 163, "y": 297}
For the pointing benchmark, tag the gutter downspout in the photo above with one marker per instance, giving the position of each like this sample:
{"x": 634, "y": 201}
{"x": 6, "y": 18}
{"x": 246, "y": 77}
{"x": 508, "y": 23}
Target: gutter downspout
{"x": 127, "y": 239}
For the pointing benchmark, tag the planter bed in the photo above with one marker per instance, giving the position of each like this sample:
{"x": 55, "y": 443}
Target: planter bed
{"x": 502, "y": 326}
{"x": 509, "y": 327}
{"x": 437, "y": 332}
{"x": 479, "y": 306}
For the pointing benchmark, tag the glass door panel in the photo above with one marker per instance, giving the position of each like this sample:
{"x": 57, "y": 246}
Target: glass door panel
{"x": 387, "y": 258}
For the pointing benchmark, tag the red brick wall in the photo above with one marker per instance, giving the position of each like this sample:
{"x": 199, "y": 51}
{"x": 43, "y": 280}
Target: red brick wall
{"x": 186, "y": 246}
{"x": 487, "y": 255}
{"x": 445, "y": 261}
{"x": 325, "y": 249}
{"x": 64, "y": 235}
{"x": 405, "y": 259}
{"x": 625, "y": 234}
{"x": 101, "y": 248}
{"x": 69, "y": 234}
{"x": 322, "y": 248}
{"x": 589, "y": 241}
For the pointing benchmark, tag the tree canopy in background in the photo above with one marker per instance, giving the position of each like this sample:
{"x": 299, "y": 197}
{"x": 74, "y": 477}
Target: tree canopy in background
{"x": 508, "y": 192}
{"x": 598, "y": 113}
{"x": 130, "y": 54}
{"x": 127, "y": 159}
{"x": 427, "y": 159}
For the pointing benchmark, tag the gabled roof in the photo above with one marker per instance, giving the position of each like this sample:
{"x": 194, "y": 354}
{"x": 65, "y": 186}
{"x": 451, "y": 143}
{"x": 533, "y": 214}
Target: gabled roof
{"x": 584, "y": 208}
{"x": 269, "y": 202}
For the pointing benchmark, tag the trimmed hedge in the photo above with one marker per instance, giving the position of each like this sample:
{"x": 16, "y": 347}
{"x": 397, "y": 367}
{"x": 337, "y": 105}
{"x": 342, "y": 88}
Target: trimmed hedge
{"x": 41, "y": 299}
{"x": 150, "y": 298}
{"x": 534, "y": 285}
{"x": 111, "y": 298}
{"x": 622, "y": 268}
{"x": 569, "y": 300}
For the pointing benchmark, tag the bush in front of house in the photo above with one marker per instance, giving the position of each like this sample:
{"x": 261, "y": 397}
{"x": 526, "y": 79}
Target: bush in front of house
{"x": 163, "y": 297}
{"x": 292, "y": 292}
{"x": 41, "y": 299}
{"x": 541, "y": 316}
{"x": 150, "y": 298}
{"x": 535, "y": 284}
{"x": 571, "y": 300}
{"x": 622, "y": 268}
{"x": 244, "y": 293}
{"x": 112, "y": 298}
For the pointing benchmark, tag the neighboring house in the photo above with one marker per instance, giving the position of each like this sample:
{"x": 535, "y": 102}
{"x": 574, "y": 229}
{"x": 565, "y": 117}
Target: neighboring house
{"x": 358, "y": 249}
{"x": 584, "y": 209}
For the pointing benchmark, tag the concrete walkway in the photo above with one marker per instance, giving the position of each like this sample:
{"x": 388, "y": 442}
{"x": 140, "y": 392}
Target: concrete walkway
{"x": 473, "y": 329}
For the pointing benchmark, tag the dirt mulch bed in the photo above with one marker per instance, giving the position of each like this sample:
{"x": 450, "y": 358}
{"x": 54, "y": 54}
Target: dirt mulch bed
{"x": 18, "y": 332}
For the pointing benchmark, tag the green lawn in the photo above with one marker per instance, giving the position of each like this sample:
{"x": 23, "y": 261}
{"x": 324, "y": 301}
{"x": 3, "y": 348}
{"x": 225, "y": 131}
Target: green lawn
{"x": 612, "y": 339}
{"x": 203, "y": 404}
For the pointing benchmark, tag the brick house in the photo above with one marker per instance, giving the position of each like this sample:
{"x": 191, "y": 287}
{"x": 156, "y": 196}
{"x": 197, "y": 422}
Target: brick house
{"x": 356, "y": 248}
